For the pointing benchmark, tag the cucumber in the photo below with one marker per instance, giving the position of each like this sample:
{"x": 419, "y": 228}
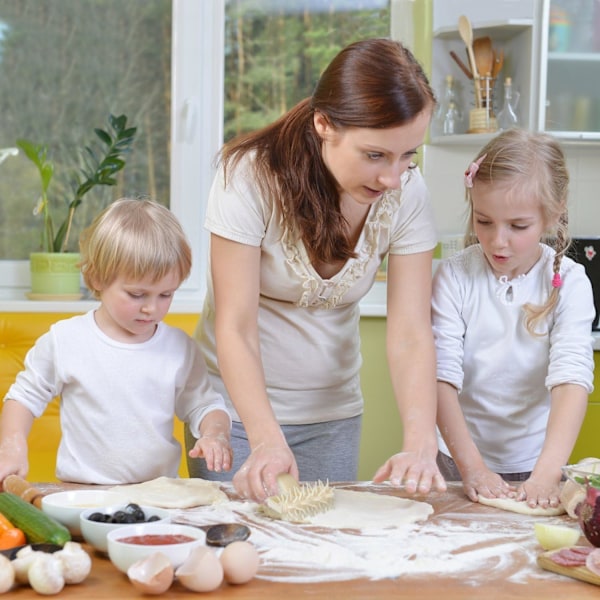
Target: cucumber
{"x": 37, "y": 526}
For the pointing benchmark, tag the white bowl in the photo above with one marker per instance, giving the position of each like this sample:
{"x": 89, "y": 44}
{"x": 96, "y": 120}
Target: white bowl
{"x": 94, "y": 532}
{"x": 65, "y": 507}
{"x": 124, "y": 554}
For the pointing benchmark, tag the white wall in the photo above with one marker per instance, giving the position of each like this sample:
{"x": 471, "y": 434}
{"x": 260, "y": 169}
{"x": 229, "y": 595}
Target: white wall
{"x": 444, "y": 165}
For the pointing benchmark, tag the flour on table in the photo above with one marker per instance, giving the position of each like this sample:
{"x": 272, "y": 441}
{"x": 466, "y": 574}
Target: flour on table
{"x": 522, "y": 507}
{"x": 168, "y": 492}
{"x": 366, "y": 510}
{"x": 456, "y": 546}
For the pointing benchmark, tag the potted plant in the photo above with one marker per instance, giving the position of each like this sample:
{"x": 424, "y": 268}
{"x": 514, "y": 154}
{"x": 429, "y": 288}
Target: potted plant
{"x": 55, "y": 270}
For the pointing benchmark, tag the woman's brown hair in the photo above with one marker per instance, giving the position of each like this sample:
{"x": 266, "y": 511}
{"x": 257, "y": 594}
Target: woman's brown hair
{"x": 374, "y": 83}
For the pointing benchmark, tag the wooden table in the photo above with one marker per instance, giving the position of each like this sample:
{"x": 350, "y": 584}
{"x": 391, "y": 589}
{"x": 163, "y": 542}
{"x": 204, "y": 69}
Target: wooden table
{"x": 451, "y": 508}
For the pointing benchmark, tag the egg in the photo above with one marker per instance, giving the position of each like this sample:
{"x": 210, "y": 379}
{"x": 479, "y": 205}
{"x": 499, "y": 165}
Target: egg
{"x": 240, "y": 562}
{"x": 201, "y": 571}
{"x": 152, "y": 574}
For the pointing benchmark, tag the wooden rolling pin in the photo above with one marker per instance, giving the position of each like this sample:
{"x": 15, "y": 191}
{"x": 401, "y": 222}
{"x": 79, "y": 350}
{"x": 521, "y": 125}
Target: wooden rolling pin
{"x": 21, "y": 487}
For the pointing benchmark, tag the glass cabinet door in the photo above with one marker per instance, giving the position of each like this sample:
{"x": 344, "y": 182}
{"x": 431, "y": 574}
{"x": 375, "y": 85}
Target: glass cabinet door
{"x": 571, "y": 106}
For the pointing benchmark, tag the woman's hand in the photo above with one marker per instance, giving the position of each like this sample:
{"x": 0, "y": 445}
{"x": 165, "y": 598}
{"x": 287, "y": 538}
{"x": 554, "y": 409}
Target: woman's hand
{"x": 216, "y": 450}
{"x": 418, "y": 474}
{"x": 257, "y": 478}
{"x": 485, "y": 483}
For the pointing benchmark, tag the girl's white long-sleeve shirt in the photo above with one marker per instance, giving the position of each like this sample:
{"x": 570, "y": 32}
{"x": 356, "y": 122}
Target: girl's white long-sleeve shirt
{"x": 504, "y": 374}
{"x": 118, "y": 400}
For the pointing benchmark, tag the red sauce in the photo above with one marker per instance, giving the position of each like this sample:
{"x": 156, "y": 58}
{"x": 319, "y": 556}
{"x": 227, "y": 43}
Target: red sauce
{"x": 156, "y": 539}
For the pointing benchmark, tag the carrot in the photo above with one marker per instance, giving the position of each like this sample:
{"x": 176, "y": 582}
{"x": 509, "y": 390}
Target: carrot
{"x": 11, "y": 538}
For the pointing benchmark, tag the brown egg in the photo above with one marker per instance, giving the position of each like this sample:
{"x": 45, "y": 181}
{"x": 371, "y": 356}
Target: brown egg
{"x": 152, "y": 574}
{"x": 240, "y": 562}
{"x": 201, "y": 571}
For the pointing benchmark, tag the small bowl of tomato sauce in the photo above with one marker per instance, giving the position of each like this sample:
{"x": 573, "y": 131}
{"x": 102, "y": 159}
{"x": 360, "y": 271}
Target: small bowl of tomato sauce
{"x": 130, "y": 543}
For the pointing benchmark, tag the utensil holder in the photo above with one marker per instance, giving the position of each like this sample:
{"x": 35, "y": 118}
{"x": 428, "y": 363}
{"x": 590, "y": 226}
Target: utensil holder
{"x": 482, "y": 118}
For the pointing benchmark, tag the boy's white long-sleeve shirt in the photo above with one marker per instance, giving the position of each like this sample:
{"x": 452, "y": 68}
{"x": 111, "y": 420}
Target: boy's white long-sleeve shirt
{"x": 504, "y": 374}
{"x": 118, "y": 400}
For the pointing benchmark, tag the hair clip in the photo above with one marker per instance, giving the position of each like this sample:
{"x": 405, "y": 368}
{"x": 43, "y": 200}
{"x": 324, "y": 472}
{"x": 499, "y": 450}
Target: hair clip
{"x": 556, "y": 280}
{"x": 472, "y": 171}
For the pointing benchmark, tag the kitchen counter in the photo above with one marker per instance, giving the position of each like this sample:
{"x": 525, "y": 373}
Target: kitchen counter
{"x": 493, "y": 552}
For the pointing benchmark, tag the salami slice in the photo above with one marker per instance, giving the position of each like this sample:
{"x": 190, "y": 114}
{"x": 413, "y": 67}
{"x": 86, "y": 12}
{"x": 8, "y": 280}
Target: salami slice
{"x": 571, "y": 557}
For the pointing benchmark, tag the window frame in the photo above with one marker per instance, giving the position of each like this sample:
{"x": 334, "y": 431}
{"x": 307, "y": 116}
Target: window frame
{"x": 197, "y": 62}
{"x": 198, "y": 30}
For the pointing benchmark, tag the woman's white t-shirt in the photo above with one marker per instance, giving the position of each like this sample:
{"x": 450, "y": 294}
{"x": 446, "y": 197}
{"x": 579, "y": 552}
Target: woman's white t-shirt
{"x": 309, "y": 326}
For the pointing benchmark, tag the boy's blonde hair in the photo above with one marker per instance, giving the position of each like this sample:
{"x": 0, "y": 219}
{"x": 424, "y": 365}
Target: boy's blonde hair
{"x": 135, "y": 239}
{"x": 529, "y": 164}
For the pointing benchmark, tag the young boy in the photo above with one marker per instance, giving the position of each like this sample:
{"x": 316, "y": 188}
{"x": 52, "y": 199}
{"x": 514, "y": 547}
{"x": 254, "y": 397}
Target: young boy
{"x": 120, "y": 372}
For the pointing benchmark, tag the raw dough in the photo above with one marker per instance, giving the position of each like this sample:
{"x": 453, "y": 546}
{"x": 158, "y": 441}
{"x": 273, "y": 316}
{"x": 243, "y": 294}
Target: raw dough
{"x": 167, "y": 492}
{"x": 523, "y": 508}
{"x": 366, "y": 510}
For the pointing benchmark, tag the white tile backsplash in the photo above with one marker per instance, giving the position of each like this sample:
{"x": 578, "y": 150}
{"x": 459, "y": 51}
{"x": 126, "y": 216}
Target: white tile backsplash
{"x": 444, "y": 166}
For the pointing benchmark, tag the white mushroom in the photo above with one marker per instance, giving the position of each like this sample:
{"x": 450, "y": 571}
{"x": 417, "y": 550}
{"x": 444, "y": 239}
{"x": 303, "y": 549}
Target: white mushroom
{"x": 152, "y": 574}
{"x": 76, "y": 562}
{"x": 7, "y": 574}
{"x": 45, "y": 574}
{"x": 21, "y": 563}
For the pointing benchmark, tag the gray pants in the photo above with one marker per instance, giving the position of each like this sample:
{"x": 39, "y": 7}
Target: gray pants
{"x": 323, "y": 451}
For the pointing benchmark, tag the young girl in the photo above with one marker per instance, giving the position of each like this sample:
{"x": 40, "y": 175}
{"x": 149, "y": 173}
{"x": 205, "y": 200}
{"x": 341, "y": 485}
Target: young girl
{"x": 512, "y": 324}
{"x": 121, "y": 373}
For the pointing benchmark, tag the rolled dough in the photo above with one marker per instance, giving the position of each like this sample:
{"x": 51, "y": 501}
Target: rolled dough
{"x": 521, "y": 507}
{"x": 167, "y": 492}
{"x": 366, "y": 510}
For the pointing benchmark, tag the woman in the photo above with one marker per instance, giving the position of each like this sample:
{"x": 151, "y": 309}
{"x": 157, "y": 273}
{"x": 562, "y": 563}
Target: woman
{"x": 301, "y": 214}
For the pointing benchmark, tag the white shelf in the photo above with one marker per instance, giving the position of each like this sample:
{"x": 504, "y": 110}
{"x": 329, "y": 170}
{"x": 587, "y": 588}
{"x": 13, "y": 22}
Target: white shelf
{"x": 500, "y": 30}
{"x": 588, "y": 57}
{"x": 462, "y": 139}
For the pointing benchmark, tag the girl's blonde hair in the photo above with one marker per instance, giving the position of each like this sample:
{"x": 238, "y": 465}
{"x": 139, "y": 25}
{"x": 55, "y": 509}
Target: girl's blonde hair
{"x": 529, "y": 164}
{"x": 135, "y": 239}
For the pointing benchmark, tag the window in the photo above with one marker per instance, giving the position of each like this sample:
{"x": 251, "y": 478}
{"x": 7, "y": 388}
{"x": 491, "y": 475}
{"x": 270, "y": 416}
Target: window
{"x": 187, "y": 73}
{"x": 275, "y": 51}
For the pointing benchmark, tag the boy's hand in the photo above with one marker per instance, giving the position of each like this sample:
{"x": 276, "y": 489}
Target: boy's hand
{"x": 13, "y": 461}
{"x": 215, "y": 449}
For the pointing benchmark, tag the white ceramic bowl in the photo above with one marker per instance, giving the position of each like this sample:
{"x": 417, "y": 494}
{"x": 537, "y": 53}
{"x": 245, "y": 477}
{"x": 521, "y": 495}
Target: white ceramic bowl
{"x": 95, "y": 532}
{"x": 124, "y": 554}
{"x": 65, "y": 507}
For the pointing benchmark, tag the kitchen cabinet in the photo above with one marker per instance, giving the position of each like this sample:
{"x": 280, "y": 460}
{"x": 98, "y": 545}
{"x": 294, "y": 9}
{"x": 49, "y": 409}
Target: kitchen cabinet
{"x": 513, "y": 30}
{"x": 569, "y": 105}
{"x": 552, "y": 54}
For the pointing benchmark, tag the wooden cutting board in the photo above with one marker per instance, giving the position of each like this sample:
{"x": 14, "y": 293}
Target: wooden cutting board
{"x": 581, "y": 573}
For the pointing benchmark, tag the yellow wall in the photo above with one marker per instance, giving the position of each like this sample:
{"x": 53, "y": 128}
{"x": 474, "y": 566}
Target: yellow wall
{"x": 382, "y": 430}
{"x": 18, "y": 332}
{"x": 381, "y": 435}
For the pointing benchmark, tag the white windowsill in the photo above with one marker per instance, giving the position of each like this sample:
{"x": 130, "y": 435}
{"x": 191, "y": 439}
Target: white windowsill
{"x": 373, "y": 305}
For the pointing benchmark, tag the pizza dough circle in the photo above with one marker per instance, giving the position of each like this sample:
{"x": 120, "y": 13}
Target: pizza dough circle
{"x": 521, "y": 507}
{"x": 169, "y": 492}
{"x": 367, "y": 510}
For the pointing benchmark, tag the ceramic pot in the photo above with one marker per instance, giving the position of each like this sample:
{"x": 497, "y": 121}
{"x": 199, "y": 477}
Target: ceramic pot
{"x": 55, "y": 274}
